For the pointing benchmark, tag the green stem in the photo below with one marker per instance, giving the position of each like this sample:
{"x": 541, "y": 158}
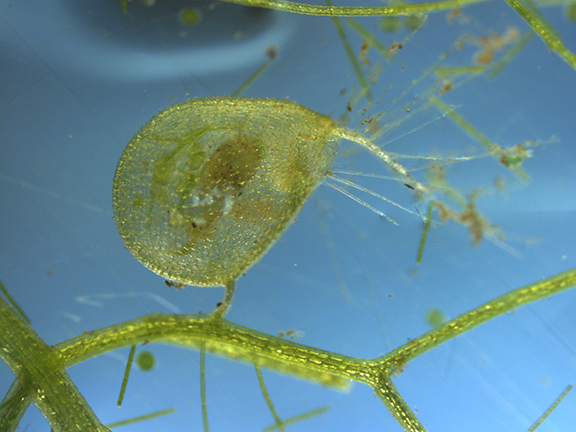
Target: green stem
{"x": 398, "y": 406}
{"x": 425, "y": 230}
{"x": 142, "y": 418}
{"x": 298, "y": 418}
{"x": 351, "y": 56}
{"x": 13, "y": 406}
{"x": 550, "y": 409}
{"x": 226, "y": 303}
{"x": 497, "y": 67}
{"x": 278, "y": 421}
{"x": 221, "y": 337}
{"x": 553, "y": 42}
{"x": 384, "y": 52}
{"x": 13, "y": 303}
{"x": 203, "y": 386}
{"x": 357, "y": 11}
{"x": 545, "y": 32}
{"x": 41, "y": 368}
{"x": 260, "y": 71}
{"x": 398, "y": 358}
{"x": 126, "y": 375}
{"x": 489, "y": 310}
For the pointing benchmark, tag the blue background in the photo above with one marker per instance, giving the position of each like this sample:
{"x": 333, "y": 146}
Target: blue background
{"x": 79, "y": 78}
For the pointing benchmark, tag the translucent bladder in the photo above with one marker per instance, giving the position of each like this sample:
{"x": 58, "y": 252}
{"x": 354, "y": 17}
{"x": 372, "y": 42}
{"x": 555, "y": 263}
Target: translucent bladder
{"x": 206, "y": 187}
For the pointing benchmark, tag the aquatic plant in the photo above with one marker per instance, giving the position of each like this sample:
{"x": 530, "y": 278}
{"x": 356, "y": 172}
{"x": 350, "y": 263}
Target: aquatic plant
{"x": 213, "y": 172}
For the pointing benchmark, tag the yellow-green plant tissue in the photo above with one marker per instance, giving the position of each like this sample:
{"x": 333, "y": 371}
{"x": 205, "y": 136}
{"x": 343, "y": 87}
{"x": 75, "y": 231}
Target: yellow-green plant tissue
{"x": 208, "y": 185}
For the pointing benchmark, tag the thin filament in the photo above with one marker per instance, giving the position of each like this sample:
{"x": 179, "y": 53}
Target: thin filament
{"x": 370, "y": 192}
{"x": 359, "y": 201}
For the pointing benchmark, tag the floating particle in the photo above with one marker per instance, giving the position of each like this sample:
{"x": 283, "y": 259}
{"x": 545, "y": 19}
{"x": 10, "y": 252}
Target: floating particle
{"x": 145, "y": 360}
{"x": 189, "y": 16}
{"x": 390, "y": 24}
{"x": 435, "y": 317}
